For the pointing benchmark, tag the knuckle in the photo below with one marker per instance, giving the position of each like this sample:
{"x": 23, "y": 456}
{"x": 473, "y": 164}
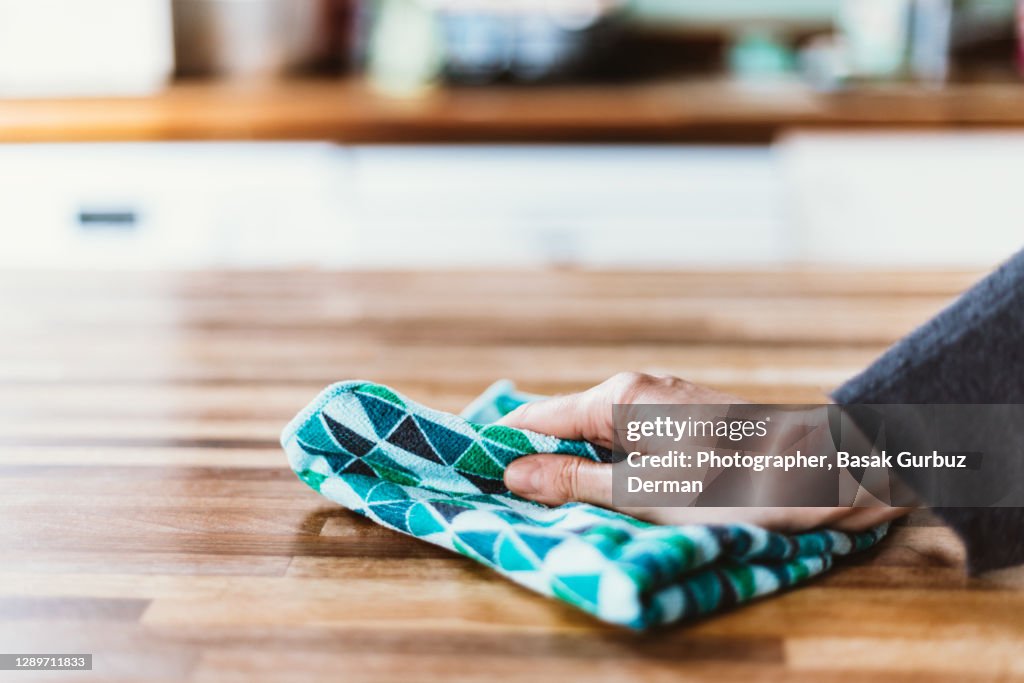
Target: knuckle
{"x": 631, "y": 387}
{"x": 673, "y": 384}
{"x": 625, "y": 386}
{"x": 568, "y": 479}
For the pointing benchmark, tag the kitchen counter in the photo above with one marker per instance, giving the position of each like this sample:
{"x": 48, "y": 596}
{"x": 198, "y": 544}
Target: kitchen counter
{"x": 149, "y": 516}
{"x": 349, "y": 110}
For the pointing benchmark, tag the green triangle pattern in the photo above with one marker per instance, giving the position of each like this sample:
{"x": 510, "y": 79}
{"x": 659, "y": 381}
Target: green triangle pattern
{"x": 383, "y": 392}
{"x": 513, "y": 439}
{"x": 477, "y": 461}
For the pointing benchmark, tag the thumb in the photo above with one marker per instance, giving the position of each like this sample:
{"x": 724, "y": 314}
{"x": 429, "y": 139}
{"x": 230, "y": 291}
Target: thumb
{"x": 558, "y": 479}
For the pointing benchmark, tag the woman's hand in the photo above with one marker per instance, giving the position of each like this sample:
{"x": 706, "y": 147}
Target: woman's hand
{"x": 557, "y": 479}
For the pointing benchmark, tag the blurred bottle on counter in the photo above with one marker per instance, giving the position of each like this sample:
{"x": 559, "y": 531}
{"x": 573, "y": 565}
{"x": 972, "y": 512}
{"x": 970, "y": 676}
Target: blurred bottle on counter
{"x": 884, "y": 40}
{"x": 414, "y": 43}
{"x": 522, "y": 40}
{"x": 255, "y": 39}
{"x": 875, "y": 34}
{"x": 404, "y": 54}
{"x": 931, "y": 31}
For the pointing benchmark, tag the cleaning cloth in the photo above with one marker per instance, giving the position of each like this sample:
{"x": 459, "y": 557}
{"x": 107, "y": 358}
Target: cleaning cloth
{"x": 438, "y": 477}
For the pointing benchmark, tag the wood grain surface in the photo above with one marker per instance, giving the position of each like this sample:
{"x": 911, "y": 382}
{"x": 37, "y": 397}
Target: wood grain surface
{"x": 149, "y": 517}
{"x": 348, "y": 110}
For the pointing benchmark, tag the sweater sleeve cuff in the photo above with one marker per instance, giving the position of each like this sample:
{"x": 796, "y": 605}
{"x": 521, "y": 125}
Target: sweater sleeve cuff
{"x": 968, "y": 353}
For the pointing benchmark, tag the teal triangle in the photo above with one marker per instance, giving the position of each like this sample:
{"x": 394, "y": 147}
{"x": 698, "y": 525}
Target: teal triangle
{"x": 313, "y": 437}
{"x": 583, "y": 585}
{"x": 503, "y": 455}
{"x": 386, "y": 492}
{"x": 540, "y": 545}
{"x": 580, "y": 448}
{"x": 383, "y": 414}
{"x": 362, "y": 485}
{"x": 313, "y": 450}
{"x": 511, "y": 558}
{"x": 482, "y": 542}
{"x": 449, "y": 444}
{"x": 422, "y": 522}
{"x": 395, "y": 514}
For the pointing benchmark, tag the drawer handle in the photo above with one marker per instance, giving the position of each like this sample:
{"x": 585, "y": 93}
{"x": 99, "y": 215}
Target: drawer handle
{"x": 125, "y": 219}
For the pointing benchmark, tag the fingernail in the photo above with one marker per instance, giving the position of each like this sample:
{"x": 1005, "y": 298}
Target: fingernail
{"x": 523, "y": 477}
{"x": 512, "y": 416}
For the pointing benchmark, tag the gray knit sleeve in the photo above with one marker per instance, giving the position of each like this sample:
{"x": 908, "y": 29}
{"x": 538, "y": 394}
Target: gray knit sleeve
{"x": 972, "y": 352}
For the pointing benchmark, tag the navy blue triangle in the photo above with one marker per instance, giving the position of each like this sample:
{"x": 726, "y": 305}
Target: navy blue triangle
{"x": 483, "y": 542}
{"x": 383, "y": 414}
{"x": 450, "y": 445}
{"x": 339, "y": 461}
{"x": 486, "y": 485}
{"x": 346, "y": 438}
{"x": 540, "y": 545}
{"x": 447, "y": 510}
{"x": 503, "y": 455}
{"x": 357, "y": 466}
{"x": 409, "y": 437}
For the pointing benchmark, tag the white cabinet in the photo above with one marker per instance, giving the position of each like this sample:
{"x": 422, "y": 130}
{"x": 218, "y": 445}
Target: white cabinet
{"x": 169, "y": 205}
{"x": 605, "y": 206}
{"x": 898, "y": 200}
{"x": 269, "y": 205}
{"x": 905, "y": 199}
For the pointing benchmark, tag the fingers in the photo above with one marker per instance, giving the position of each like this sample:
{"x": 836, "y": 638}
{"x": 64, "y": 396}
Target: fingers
{"x": 574, "y": 416}
{"x": 559, "y": 479}
{"x": 588, "y": 415}
{"x": 862, "y": 519}
{"x": 783, "y": 520}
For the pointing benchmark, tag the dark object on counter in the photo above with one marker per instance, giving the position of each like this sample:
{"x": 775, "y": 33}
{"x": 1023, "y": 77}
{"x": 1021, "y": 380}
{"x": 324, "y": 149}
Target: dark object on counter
{"x": 482, "y": 47}
{"x": 1020, "y": 36}
{"x": 255, "y": 39}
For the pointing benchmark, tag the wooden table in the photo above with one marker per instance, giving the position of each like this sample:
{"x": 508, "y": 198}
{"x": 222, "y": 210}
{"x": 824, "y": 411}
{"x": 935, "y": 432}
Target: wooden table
{"x": 149, "y": 516}
{"x": 347, "y": 110}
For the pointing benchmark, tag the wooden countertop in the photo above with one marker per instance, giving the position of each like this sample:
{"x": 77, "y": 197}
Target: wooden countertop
{"x": 348, "y": 111}
{"x": 149, "y": 516}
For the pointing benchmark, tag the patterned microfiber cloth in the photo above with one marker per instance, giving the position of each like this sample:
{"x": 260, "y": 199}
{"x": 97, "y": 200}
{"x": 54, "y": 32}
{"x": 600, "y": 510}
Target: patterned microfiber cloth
{"x": 438, "y": 477}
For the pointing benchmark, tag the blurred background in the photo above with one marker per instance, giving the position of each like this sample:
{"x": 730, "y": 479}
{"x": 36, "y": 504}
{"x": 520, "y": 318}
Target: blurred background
{"x": 452, "y": 133}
